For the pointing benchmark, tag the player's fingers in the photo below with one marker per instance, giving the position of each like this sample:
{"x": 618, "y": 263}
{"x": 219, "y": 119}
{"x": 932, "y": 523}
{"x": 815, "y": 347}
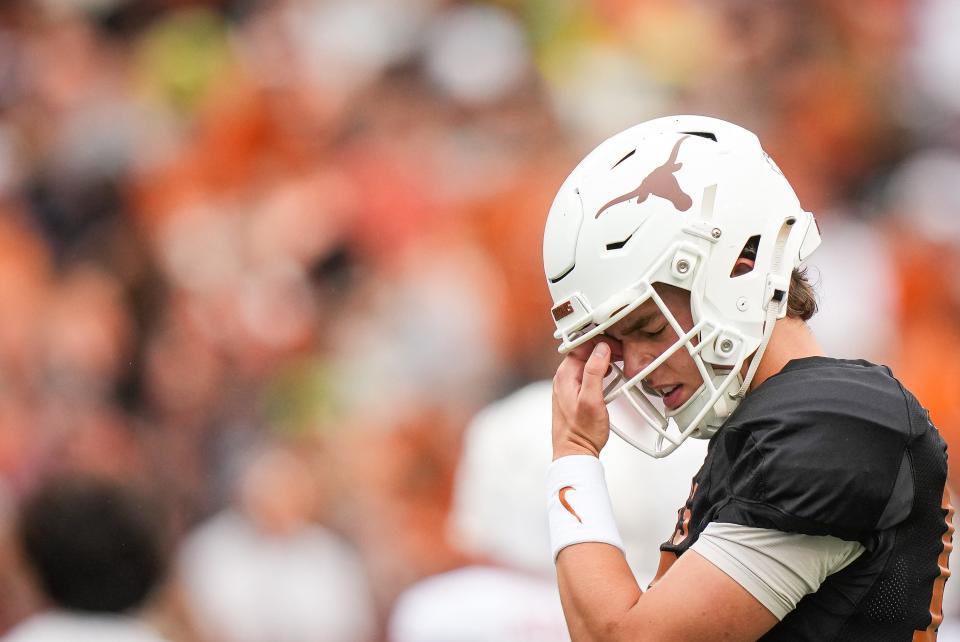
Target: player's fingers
{"x": 582, "y": 353}
{"x": 591, "y": 386}
{"x": 566, "y": 382}
{"x": 569, "y": 369}
{"x": 616, "y": 348}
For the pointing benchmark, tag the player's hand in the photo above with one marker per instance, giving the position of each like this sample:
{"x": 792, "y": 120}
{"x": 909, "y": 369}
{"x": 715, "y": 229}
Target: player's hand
{"x": 581, "y": 423}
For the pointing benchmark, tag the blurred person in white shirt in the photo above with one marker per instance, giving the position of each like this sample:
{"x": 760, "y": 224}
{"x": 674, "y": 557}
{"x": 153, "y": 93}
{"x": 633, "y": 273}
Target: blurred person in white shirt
{"x": 264, "y": 571}
{"x": 509, "y": 593}
{"x": 95, "y": 550}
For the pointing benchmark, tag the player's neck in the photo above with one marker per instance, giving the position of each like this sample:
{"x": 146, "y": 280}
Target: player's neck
{"x": 791, "y": 339}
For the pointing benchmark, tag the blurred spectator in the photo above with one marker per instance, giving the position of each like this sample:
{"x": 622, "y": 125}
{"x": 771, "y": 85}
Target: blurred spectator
{"x": 263, "y": 570}
{"x": 477, "y": 54}
{"x": 498, "y": 518}
{"x": 923, "y": 205}
{"x": 857, "y": 296}
{"x": 95, "y": 550}
{"x": 14, "y": 587}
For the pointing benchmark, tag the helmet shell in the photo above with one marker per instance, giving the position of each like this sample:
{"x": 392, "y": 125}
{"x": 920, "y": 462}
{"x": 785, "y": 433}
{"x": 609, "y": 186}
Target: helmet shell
{"x": 676, "y": 200}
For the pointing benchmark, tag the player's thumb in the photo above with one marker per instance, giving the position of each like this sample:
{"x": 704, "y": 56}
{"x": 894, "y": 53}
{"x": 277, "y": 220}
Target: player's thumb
{"x": 593, "y": 371}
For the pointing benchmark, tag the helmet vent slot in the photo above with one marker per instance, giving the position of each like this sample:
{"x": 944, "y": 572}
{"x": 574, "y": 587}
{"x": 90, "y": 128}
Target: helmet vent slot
{"x": 709, "y": 135}
{"x": 618, "y": 244}
{"x": 628, "y": 155}
{"x": 748, "y": 257}
{"x": 559, "y": 278}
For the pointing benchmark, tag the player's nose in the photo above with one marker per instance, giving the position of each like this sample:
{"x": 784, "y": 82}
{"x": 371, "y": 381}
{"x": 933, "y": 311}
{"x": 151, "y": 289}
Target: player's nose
{"x": 636, "y": 357}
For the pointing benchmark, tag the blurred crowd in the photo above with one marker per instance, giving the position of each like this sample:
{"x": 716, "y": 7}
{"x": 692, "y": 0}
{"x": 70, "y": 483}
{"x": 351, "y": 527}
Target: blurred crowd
{"x": 262, "y": 260}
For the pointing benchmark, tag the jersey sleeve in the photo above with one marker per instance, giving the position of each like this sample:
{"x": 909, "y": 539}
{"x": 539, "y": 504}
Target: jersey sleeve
{"x": 829, "y": 460}
{"x": 777, "y": 568}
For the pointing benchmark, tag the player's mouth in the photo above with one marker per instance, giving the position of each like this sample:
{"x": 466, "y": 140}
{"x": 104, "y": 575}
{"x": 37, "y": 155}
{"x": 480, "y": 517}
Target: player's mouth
{"x": 672, "y": 394}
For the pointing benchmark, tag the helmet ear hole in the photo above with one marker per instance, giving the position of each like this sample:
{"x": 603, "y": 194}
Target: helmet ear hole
{"x": 747, "y": 258}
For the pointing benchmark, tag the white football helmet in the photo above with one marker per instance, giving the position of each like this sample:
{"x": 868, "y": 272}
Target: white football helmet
{"x": 676, "y": 200}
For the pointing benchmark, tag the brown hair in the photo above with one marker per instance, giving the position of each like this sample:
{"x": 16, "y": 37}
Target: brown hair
{"x": 802, "y": 300}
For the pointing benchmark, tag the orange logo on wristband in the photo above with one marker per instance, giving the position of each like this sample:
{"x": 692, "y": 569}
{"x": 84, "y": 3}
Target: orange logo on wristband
{"x": 563, "y": 501}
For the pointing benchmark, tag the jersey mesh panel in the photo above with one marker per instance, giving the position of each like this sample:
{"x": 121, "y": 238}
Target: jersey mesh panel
{"x": 899, "y": 602}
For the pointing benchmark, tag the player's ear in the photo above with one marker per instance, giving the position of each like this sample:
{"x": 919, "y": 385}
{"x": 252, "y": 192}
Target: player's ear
{"x": 747, "y": 259}
{"x": 742, "y": 266}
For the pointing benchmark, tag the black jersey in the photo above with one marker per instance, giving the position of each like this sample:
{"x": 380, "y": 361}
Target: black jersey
{"x": 833, "y": 447}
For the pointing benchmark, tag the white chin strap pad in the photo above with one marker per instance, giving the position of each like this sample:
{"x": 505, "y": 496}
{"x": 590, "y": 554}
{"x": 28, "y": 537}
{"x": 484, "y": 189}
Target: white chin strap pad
{"x": 712, "y": 420}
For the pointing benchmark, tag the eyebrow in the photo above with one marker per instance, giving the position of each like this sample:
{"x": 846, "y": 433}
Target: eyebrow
{"x": 639, "y": 323}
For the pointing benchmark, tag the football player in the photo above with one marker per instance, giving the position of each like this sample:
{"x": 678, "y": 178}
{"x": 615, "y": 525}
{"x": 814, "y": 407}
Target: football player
{"x": 672, "y": 253}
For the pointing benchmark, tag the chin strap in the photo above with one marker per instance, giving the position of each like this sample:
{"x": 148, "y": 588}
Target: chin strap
{"x": 773, "y": 306}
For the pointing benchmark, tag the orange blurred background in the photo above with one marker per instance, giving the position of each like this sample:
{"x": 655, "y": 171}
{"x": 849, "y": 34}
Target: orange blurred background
{"x": 237, "y": 226}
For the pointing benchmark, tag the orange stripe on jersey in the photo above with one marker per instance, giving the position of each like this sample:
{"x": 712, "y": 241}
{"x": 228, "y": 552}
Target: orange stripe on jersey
{"x": 683, "y": 518}
{"x": 680, "y": 532}
{"x": 936, "y": 601}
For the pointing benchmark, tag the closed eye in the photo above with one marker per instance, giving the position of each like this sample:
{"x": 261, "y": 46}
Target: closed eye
{"x": 652, "y": 334}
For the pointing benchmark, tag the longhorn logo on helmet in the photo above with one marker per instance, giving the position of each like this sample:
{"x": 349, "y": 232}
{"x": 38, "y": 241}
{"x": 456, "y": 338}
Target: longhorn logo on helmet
{"x": 660, "y": 182}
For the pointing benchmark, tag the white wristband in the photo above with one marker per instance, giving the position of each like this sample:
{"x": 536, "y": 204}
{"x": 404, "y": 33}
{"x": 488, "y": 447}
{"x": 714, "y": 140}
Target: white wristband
{"x": 578, "y": 505}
